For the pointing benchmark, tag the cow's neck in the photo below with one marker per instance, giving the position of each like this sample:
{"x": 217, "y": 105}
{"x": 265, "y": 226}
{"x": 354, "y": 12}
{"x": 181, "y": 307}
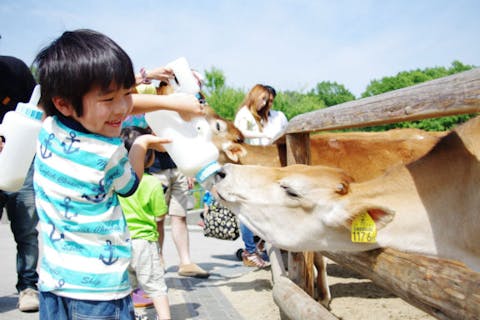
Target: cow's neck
{"x": 262, "y": 155}
{"x": 432, "y": 198}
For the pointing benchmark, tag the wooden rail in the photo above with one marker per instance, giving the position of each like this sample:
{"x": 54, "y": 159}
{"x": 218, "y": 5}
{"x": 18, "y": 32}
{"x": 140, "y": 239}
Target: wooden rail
{"x": 441, "y": 288}
{"x": 456, "y": 94}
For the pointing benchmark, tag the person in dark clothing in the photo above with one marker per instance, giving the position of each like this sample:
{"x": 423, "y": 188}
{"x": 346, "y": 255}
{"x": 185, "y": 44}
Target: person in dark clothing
{"x": 16, "y": 85}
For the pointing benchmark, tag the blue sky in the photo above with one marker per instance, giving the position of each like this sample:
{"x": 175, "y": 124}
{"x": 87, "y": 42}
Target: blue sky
{"x": 289, "y": 44}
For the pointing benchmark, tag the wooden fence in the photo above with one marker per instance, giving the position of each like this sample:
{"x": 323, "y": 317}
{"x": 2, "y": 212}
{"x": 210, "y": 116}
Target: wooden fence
{"x": 444, "y": 289}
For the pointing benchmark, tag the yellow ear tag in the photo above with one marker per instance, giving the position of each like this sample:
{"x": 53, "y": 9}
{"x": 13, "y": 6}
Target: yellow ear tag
{"x": 364, "y": 229}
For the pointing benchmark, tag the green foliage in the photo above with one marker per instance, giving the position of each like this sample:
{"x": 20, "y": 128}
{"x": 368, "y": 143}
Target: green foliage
{"x": 409, "y": 78}
{"x": 294, "y": 103}
{"x": 433, "y": 124}
{"x": 332, "y": 93}
{"x": 226, "y": 100}
{"x": 214, "y": 80}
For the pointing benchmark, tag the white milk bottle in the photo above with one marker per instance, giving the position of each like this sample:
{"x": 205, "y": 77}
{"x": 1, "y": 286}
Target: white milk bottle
{"x": 20, "y": 129}
{"x": 191, "y": 148}
{"x": 184, "y": 81}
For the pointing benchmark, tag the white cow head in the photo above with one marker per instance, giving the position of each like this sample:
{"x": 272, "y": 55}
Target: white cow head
{"x": 296, "y": 207}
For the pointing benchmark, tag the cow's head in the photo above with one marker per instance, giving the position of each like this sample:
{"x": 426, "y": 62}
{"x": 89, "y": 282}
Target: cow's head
{"x": 226, "y": 137}
{"x": 296, "y": 207}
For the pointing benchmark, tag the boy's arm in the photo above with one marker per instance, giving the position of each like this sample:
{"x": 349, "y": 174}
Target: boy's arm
{"x": 186, "y": 105}
{"x": 139, "y": 149}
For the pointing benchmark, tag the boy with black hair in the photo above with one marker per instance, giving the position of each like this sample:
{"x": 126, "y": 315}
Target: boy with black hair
{"x": 80, "y": 168}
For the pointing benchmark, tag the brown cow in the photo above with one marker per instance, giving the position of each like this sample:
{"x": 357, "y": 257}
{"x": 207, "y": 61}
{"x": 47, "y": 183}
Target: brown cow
{"x": 380, "y": 149}
{"x": 429, "y": 206}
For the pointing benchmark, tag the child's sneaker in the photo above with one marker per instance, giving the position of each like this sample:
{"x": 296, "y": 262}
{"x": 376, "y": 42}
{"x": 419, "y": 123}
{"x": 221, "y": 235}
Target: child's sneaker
{"x": 254, "y": 260}
{"x": 140, "y": 299}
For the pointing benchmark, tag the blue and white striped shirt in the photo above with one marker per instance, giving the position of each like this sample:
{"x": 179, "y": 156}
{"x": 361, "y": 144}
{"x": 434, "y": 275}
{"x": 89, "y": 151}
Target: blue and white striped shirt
{"x": 85, "y": 244}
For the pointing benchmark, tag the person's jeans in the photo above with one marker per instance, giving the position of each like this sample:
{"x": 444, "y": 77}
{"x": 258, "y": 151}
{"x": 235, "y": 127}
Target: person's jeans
{"x": 23, "y": 222}
{"x": 248, "y": 238}
{"x": 53, "y": 307}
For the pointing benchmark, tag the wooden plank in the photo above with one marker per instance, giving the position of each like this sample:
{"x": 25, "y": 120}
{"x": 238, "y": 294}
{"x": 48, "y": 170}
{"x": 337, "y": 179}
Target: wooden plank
{"x": 301, "y": 269}
{"x": 298, "y": 148}
{"x": 443, "y": 288}
{"x": 296, "y": 304}
{"x": 455, "y": 94}
{"x": 293, "y": 302}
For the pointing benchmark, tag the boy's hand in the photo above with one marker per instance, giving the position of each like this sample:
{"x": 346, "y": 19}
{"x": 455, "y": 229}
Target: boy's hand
{"x": 161, "y": 74}
{"x": 187, "y": 106}
{"x": 150, "y": 141}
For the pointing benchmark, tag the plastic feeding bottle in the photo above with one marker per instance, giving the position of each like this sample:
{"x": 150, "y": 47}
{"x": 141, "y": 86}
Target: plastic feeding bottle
{"x": 20, "y": 129}
{"x": 184, "y": 81}
{"x": 191, "y": 148}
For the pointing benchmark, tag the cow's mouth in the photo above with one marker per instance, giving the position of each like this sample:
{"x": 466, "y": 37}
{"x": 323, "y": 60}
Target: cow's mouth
{"x": 229, "y": 197}
{"x": 221, "y": 197}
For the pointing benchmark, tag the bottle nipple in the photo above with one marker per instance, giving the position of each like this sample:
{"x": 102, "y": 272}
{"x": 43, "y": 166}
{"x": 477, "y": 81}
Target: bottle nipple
{"x": 30, "y": 109}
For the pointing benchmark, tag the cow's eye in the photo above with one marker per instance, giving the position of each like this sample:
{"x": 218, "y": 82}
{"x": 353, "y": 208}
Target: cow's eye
{"x": 219, "y": 126}
{"x": 290, "y": 192}
{"x": 341, "y": 188}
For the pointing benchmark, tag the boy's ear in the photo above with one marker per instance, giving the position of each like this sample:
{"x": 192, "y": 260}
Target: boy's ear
{"x": 64, "y": 106}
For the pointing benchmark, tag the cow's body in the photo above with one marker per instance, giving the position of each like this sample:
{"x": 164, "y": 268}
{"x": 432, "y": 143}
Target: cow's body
{"x": 362, "y": 155}
{"x": 429, "y": 206}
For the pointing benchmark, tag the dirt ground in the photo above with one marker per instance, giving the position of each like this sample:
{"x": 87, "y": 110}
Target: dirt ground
{"x": 354, "y": 297}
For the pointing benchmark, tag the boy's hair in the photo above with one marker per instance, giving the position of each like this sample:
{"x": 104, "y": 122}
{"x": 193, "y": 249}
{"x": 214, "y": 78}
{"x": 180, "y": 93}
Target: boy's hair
{"x": 129, "y": 134}
{"x": 78, "y": 61}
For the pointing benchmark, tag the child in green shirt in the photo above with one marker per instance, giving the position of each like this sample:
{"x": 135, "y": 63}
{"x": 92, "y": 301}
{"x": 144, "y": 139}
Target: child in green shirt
{"x": 142, "y": 210}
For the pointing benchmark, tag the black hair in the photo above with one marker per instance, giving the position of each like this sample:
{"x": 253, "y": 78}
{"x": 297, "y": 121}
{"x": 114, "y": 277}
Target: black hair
{"x": 129, "y": 134}
{"x": 271, "y": 90}
{"x": 76, "y": 62}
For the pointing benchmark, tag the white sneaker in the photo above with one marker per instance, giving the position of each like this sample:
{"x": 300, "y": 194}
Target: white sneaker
{"x": 28, "y": 300}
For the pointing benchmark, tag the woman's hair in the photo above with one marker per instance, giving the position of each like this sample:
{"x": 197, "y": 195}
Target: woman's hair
{"x": 251, "y": 100}
{"x": 78, "y": 61}
{"x": 129, "y": 134}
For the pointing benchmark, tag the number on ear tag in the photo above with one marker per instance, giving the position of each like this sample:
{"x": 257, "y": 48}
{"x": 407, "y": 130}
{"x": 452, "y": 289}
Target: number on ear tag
{"x": 364, "y": 229}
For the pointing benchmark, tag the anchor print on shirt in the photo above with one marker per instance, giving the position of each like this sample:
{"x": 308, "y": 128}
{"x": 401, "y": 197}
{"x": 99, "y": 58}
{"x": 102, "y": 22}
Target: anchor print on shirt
{"x": 100, "y": 193}
{"x": 68, "y": 146}
{"x": 44, "y": 147}
{"x": 110, "y": 259}
{"x": 55, "y": 235}
{"x": 67, "y": 206}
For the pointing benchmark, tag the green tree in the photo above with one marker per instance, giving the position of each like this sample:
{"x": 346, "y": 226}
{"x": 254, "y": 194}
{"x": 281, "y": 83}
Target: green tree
{"x": 224, "y": 100}
{"x": 409, "y": 78}
{"x": 332, "y": 93}
{"x": 293, "y": 103}
{"x": 214, "y": 80}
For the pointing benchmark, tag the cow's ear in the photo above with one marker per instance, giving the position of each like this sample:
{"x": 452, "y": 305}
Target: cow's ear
{"x": 234, "y": 151}
{"x": 381, "y": 216}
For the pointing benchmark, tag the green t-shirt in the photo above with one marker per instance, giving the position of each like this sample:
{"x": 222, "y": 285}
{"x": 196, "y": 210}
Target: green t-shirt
{"x": 142, "y": 208}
